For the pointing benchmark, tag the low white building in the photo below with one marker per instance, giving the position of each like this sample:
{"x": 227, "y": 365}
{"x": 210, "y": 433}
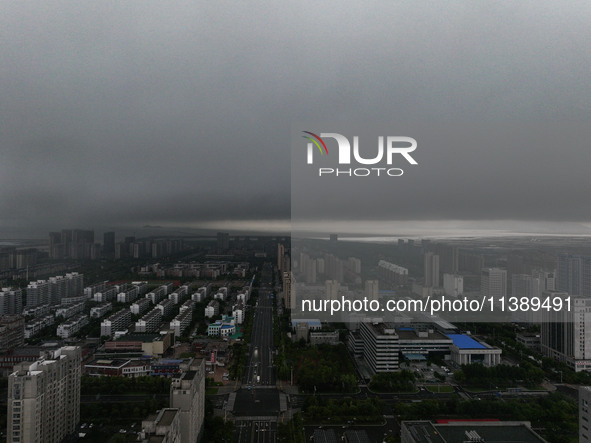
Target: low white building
{"x": 72, "y": 326}
{"x": 180, "y": 323}
{"x": 466, "y": 350}
{"x": 68, "y": 311}
{"x": 118, "y": 321}
{"x": 101, "y": 310}
{"x": 105, "y": 295}
{"x": 36, "y": 325}
{"x": 166, "y": 307}
{"x": 149, "y": 322}
{"x": 140, "y": 307}
{"x": 324, "y": 338}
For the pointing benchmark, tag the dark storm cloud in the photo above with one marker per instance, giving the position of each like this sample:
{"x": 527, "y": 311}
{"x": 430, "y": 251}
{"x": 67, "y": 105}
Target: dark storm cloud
{"x": 153, "y": 112}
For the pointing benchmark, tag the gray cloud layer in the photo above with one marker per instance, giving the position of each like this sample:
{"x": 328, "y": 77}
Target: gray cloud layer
{"x": 156, "y": 112}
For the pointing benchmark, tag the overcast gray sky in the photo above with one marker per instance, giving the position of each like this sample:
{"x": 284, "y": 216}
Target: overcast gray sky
{"x": 178, "y": 113}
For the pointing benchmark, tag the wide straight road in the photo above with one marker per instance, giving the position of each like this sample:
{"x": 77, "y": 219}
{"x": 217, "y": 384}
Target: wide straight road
{"x": 257, "y": 403}
{"x": 259, "y": 370}
{"x": 256, "y": 431}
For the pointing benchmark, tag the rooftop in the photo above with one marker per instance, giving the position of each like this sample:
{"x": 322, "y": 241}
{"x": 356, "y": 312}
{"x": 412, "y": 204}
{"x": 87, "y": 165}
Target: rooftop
{"x": 144, "y": 338}
{"x": 311, "y": 322}
{"x": 463, "y": 341}
{"x": 167, "y": 417}
{"x": 411, "y": 334}
{"x": 382, "y": 329}
{"x": 115, "y": 363}
{"x": 189, "y": 375}
{"x": 457, "y": 431}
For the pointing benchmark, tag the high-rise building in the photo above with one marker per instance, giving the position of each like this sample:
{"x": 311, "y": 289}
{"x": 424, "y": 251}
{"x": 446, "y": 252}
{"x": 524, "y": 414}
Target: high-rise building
{"x": 187, "y": 394}
{"x": 333, "y": 267}
{"x": 493, "y": 282}
{"x": 109, "y": 244}
{"x": 37, "y": 293}
{"x": 25, "y": 257}
{"x": 448, "y": 258}
{"x": 56, "y": 248}
{"x": 331, "y": 289}
{"x": 468, "y": 262}
{"x": 223, "y": 241}
{"x": 585, "y": 414}
{"x": 431, "y": 270}
{"x": 380, "y": 346}
{"x": 44, "y": 397}
{"x": 75, "y": 284}
{"x": 288, "y": 291}
{"x": 392, "y": 274}
{"x": 162, "y": 427}
{"x": 44, "y": 292}
{"x": 58, "y": 289}
{"x": 569, "y": 274}
{"x": 352, "y": 270}
{"x": 529, "y": 286}
{"x": 280, "y": 254}
{"x": 11, "y": 301}
{"x": 372, "y": 288}
{"x": 566, "y": 334}
{"x": 307, "y": 268}
{"x": 453, "y": 284}
{"x": 522, "y": 285}
{"x": 71, "y": 243}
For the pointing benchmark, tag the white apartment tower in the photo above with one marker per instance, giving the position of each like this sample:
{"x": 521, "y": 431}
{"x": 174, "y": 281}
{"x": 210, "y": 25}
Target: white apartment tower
{"x": 44, "y": 398}
{"x": 584, "y": 413}
{"x": 566, "y": 334}
{"x": 380, "y": 346}
{"x": 332, "y": 289}
{"x": 372, "y": 288}
{"x": 493, "y": 282}
{"x": 289, "y": 299}
{"x": 453, "y": 284}
{"x": 431, "y": 270}
{"x": 187, "y": 394}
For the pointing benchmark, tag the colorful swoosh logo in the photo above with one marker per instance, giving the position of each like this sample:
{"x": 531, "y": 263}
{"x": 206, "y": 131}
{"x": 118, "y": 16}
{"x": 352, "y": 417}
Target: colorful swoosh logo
{"x": 316, "y": 142}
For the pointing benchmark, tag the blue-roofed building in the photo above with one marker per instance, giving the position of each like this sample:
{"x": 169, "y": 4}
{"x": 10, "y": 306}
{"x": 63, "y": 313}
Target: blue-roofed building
{"x": 466, "y": 350}
{"x": 221, "y": 329}
{"x": 213, "y": 330}
{"x": 464, "y": 341}
{"x": 226, "y": 330}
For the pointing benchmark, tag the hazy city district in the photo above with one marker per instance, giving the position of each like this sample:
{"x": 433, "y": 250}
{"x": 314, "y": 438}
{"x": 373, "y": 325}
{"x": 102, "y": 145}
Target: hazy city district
{"x": 113, "y": 338}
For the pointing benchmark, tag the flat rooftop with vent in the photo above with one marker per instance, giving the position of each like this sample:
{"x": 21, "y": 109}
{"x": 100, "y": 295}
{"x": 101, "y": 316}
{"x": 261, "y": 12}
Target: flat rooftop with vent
{"x": 453, "y": 431}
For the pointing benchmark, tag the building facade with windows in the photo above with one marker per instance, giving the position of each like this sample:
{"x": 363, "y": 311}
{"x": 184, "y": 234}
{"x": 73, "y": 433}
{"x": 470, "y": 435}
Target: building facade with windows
{"x": 44, "y": 397}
